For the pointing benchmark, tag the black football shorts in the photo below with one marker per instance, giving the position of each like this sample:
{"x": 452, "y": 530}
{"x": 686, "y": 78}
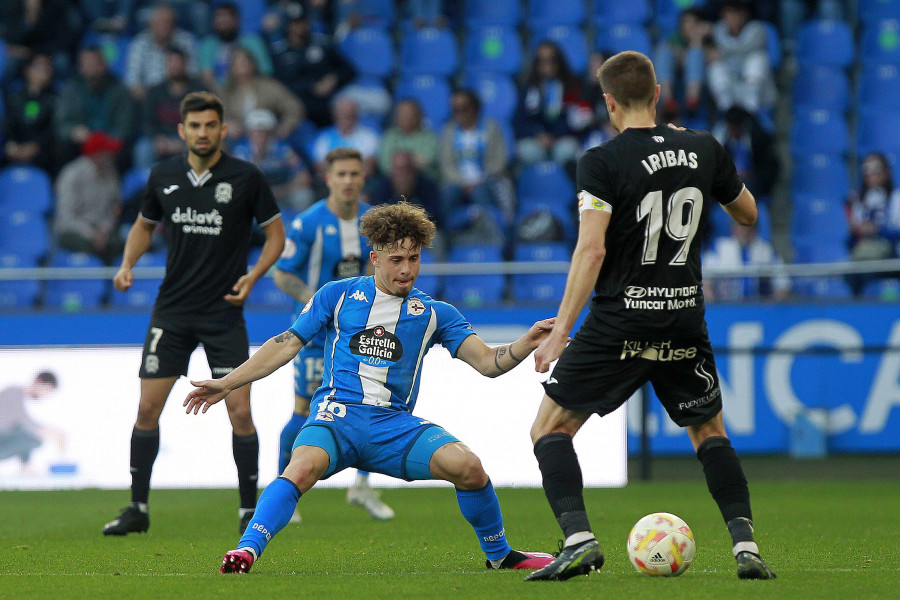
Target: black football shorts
{"x": 598, "y": 376}
{"x": 171, "y": 340}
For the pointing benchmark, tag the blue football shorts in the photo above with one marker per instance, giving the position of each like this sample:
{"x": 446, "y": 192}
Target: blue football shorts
{"x": 371, "y": 438}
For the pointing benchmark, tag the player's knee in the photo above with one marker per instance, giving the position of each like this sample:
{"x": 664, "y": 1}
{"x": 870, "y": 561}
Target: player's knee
{"x": 472, "y": 474}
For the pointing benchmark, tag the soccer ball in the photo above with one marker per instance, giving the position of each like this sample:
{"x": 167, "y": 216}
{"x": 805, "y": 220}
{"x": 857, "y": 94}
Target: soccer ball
{"x": 661, "y": 544}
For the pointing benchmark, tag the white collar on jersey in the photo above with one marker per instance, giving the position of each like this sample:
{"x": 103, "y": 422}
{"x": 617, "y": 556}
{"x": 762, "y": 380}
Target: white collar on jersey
{"x": 198, "y": 180}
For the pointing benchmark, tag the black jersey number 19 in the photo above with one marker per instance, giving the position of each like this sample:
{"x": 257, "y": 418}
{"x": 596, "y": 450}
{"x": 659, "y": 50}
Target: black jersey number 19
{"x": 681, "y": 217}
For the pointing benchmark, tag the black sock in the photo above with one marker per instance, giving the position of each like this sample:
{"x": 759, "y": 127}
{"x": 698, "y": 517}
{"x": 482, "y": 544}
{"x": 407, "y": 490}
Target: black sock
{"x": 246, "y": 456}
{"x": 562, "y": 481}
{"x": 728, "y": 486}
{"x": 144, "y": 448}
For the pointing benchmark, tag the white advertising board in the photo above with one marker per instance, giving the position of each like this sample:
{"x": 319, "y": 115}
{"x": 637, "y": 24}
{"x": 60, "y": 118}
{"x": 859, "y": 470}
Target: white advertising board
{"x": 86, "y": 423}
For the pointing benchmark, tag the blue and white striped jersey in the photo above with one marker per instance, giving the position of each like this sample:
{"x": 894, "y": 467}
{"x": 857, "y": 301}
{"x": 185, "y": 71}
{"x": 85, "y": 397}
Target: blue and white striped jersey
{"x": 321, "y": 247}
{"x": 375, "y": 342}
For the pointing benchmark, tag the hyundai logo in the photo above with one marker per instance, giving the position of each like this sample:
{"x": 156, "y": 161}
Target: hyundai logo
{"x": 633, "y": 291}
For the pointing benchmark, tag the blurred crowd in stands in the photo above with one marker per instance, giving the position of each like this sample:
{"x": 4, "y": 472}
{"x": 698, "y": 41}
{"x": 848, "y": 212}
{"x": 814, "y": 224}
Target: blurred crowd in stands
{"x": 476, "y": 109}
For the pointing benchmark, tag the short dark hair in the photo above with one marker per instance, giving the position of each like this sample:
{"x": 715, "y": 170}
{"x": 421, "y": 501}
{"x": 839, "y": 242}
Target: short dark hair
{"x": 342, "y": 153}
{"x": 200, "y": 101}
{"x": 472, "y": 97}
{"x": 388, "y": 224}
{"x": 628, "y": 77}
{"x": 47, "y": 377}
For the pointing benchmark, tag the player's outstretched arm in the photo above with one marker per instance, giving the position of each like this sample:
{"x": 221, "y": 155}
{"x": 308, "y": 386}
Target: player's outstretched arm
{"x": 277, "y": 351}
{"x": 293, "y": 286}
{"x": 492, "y": 362}
{"x": 139, "y": 237}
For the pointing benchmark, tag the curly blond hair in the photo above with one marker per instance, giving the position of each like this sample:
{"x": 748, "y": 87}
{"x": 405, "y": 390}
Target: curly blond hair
{"x": 388, "y": 224}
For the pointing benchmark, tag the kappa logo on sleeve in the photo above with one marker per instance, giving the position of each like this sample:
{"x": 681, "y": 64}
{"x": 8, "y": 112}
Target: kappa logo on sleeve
{"x": 307, "y": 307}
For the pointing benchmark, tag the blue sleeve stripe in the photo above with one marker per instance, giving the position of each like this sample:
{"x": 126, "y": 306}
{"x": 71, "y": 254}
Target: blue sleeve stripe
{"x": 299, "y": 337}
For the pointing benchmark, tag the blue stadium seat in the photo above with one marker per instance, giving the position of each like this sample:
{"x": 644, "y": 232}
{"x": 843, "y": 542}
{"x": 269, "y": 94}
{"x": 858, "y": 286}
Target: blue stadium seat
{"x": 562, "y": 213}
{"x": 432, "y": 92}
{"x": 486, "y": 13}
{"x": 669, "y": 11}
{"x": 879, "y": 88}
{"x": 546, "y": 13}
{"x": 545, "y": 181}
{"x": 773, "y": 44}
{"x": 370, "y": 51}
{"x": 114, "y": 48}
{"x": 497, "y": 92}
{"x": 430, "y": 284}
{"x": 143, "y": 291}
{"x": 819, "y": 174}
{"x": 819, "y": 86}
{"x": 546, "y": 287}
{"x": 819, "y": 131}
{"x": 825, "y": 42}
{"x": 252, "y": 12}
{"x": 615, "y": 12}
{"x": 878, "y": 132}
{"x": 24, "y": 187}
{"x": 474, "y": 290}
{"x": 372, "y": 13}
{"x": 881, "y": 42}
{"x": 618, "y": 38}
{"x": 266, "y": 293}
{"x": 493, "y": 49}
{"x": 18, "y": 293}
{"x": 133, "y": 181}
{"x": 571, "y": 41}
{"x": 870, "y": 11}
{"x": 429, "y": 51}
{"x": 24, "y": 233}
{"x": 820, "y": 215}
{"x": 75, "y": 294}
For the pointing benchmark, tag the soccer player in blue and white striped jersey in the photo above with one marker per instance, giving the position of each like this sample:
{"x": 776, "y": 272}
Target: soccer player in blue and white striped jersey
{"x": 378, "y": 329}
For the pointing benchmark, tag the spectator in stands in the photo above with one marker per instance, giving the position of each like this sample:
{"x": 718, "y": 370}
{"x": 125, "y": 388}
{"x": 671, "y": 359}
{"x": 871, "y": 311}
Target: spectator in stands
{"x": 874, "y": 218}
{"x": 246, "y": 90}
{"x": 146, "y": 61}
{"x": 346, "y": 131}
{"x": 744, "y": 247}
{"x": 477, "y": 195}
{"x": 216, "y": 48}
{"x": 309, "y": 65}
{"x": 409, "y": 133}
{"x": 408, "y": 182}
{"x": 28, "y": 127}
{"x": 108, "y": 16}
{"x": 287, "y": 173}
{"x": 739, "y": 70}
{"x": 552, "y": 113}
{"x": 93, "y": 100}
{"x": 30, "y": 27}
{"x": 680, "y": 65}
{"x": 88, "y": 200}
{"x": 752, "y": 149}
{"x": 162, "y": 112}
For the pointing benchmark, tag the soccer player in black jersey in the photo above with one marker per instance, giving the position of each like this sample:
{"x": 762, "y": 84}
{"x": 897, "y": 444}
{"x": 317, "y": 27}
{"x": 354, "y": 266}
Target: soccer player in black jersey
{"x": 207, "y": 201}
{"x": 642, "y": 197}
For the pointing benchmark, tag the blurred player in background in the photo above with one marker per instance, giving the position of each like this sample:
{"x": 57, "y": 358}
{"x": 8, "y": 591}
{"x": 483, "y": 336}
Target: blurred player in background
{"x": 324, "y": 244}
{"x": 642, "y": 198}
{"x": 207, "y": 201}
{"x": 378, "y": 329}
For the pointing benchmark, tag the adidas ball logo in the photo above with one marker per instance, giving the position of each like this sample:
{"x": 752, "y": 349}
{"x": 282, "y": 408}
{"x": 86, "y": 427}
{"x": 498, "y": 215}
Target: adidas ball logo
{"x": 657, "y": 559}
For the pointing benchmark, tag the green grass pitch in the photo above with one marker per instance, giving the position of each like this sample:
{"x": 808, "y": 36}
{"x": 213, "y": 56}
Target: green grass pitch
{"x": 826, "y": 539}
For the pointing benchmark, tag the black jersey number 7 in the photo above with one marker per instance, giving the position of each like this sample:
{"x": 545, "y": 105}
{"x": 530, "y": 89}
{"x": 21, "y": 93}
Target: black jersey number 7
{"x": 680, "y": 220}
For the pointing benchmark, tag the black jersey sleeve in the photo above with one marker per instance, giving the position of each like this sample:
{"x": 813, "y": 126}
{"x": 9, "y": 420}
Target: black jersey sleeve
{"x": 593, "y": 177}
{"x": 263, "y": 204}
{"x": 151, "y": 209}
{"x": 727, "y": 185}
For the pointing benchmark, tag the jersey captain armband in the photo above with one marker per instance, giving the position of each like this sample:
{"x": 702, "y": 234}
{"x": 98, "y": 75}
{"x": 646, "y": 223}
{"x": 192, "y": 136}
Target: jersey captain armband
{"x": 588, "y": 201}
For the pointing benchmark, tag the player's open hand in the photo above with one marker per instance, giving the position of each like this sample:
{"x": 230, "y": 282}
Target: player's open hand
{"x": 123, "y": 279}
{"x": 205, "y": 394}
{"x": 549, "y": 350}
{"x": 540, "y": 330}
{"x": 241, "y": 290}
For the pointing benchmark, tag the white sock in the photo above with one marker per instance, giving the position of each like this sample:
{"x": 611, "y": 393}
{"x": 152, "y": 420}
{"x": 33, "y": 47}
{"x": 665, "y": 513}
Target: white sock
{"x": 251, "y": 551}
{"x": 578, "y": 538}
{"x": 361, "y": 480}
{"x": 245, "y": 511}
{"x": 141, "y": 506}
{"x": 745, "y": 547}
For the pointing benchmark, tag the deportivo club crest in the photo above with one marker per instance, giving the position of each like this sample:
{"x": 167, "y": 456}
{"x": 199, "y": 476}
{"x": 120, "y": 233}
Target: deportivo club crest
{"x": 223, "y": 192}
{"x": 414, "y": 307}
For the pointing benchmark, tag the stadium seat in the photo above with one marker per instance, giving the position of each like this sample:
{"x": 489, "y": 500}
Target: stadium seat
{"x": 25, "y": 187}
{"x": 18, "y": 293}
{"x": 486, "y": 13}
{"x": 546, "y": 287}
{"x": 75, "y": 294}
{"x": 881, "y": 42}
{"x": 878, "y": 132}
{"x": 497, "y": 92}
{"x": 561, "y": 212}
{"x": 870, "y": 11}
{"x": 430, "y": 284}
{"x": 474, "y": 290}
{"x": 24, "y": 233}
{"x": 114, "y": 48}
{"x": 545, "y": 181}
{"x": 819, "y": 131}
{"x": 493, "y": 49}
{"x": 618, "y": 38}
{"x": 372, "y": 13}
{"x": 819, "y": 174}
{"x": 143, "y": 291}
{"x": 669, "y": 11}
{"x": 825, "y": 42}
{"x": 252, "y": 12}
{"x": 266, "y": 293}
{"x": 773, "y": 44}
{"x": 571, "y": 41}
{"x": 820, "y": 215}
{"x": 879, "y": 88}
{"x": 547, "y": 13}
{"x": 819, "y": 86}
{"x": 133, "y": 182}
{"x": 370, "y": 51}
{"x": 432, "y": 92}
{"x": 429, "y": 51}
{"x": 619, "y": 12}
